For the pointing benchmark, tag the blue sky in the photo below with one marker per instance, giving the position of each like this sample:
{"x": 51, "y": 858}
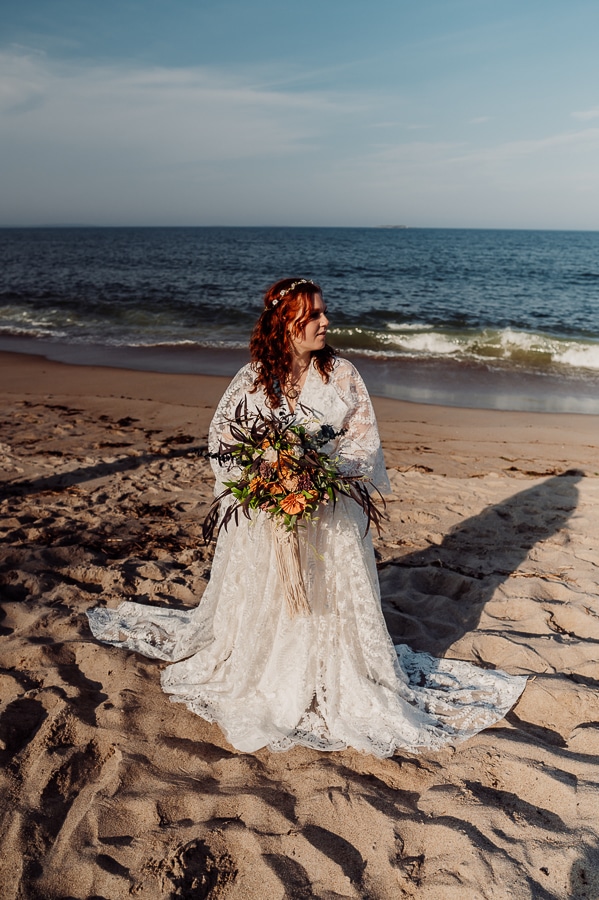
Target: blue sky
{"x": 441, "y": 113}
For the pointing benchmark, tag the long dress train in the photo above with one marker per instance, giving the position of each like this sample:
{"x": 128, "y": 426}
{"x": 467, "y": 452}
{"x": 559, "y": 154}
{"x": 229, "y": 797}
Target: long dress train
{"x": 328, "y": 680}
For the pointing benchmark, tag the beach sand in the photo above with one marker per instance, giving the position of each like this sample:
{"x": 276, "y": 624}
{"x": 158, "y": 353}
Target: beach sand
{"x": 108, "y": 790}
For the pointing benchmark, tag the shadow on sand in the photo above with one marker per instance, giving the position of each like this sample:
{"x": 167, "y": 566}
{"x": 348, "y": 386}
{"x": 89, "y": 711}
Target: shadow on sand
{"x": 63, "y": 480}
{"x": 433, "y": 597}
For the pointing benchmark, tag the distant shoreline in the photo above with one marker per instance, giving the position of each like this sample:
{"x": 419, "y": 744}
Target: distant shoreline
{"x": 501, "y": 228}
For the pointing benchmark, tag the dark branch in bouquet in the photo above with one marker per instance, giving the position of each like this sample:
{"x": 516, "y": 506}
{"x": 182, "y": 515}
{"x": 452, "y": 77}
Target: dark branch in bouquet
{"x": 284, "y": 472}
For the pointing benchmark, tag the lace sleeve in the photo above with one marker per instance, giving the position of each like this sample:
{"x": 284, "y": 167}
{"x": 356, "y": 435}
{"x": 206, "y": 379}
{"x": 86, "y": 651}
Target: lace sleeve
{"x": 219, "y": 427}
{"x": 359, "y": 449}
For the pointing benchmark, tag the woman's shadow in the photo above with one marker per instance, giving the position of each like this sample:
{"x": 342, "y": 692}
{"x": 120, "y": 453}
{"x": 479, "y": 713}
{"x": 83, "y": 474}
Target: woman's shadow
{"x": 432, "y": 597}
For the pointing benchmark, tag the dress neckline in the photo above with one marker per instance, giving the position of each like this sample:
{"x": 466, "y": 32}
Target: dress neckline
{"x": 297, "y": 400}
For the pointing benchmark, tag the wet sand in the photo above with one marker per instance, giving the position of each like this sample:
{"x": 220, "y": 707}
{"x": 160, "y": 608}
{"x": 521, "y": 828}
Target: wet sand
{"x": 491, "y": 554}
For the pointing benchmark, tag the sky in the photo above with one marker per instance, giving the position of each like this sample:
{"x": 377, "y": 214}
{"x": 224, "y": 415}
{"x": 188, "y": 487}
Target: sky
{"x": 426, "y": 113}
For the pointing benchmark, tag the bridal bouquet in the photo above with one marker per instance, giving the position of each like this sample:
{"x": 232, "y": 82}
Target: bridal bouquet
{"x": 281, "y": 469}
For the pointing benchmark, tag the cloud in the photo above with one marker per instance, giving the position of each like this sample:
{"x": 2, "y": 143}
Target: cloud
{"x": 587, "y": 114}
{"x": 514, "y": 150}
{"x": 22, "y": 84}
{"x": 186, "y": 114}
{"x": 462, "y": 162}
{"x": 141, "y": 144}
{"x": 420, "y": 154}
{"x": 529, "y": 183}
{"x": 126, "y": 144}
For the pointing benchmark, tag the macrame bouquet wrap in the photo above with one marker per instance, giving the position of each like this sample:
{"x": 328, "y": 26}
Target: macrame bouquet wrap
{"x": 278, "y": 466}
{"x": 290, "y": 573}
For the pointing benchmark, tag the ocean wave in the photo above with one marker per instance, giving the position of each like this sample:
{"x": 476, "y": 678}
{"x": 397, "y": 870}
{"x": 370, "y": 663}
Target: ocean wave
{"x": 32, "y": 331}
{"x": 534, "y": 351}
{"x": 207, "y": 344}
{"x": 496, "y": 347}
{"x": 54, "y": 335}
{"x": 408, "y": 326}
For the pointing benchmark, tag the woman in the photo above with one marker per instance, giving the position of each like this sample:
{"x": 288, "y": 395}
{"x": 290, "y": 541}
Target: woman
{"x": 331, "y": 678}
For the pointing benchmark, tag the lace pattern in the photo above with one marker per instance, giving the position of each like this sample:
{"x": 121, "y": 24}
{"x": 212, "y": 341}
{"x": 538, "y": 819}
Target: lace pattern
{"x": 343, "y": 403}
{"x": 329, "y": 680}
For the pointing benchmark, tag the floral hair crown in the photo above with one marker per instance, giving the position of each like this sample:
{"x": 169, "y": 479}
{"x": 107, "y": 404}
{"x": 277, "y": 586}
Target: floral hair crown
{"x": 288, "y": 290}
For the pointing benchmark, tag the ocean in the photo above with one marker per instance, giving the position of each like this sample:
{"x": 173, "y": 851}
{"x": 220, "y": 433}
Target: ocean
{"x": 495, "y": 319}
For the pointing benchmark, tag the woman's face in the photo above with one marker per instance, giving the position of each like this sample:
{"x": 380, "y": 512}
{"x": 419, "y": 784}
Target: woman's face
{"x": 314, "y": 335}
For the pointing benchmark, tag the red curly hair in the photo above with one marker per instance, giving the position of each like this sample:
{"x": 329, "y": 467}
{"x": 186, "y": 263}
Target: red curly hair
{"x": 290, "y": 300}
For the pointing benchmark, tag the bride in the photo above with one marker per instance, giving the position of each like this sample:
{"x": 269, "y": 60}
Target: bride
{"x": 331, "y": 678}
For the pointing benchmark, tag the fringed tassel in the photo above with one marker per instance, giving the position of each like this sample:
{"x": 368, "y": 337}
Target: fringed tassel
{"x": 290, "y": 573}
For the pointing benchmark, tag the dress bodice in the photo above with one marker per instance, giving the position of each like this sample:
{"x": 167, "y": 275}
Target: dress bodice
{"x": 341, "y": 402}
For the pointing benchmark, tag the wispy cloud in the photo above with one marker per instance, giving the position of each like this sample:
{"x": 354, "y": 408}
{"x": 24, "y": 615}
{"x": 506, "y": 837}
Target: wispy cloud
{"x": 125, "y": 143}
{"x": 172, "y": 114}
{"x": 449, "y": 154}
{"x": 22, "y": 82}
{"x": 418, "y": 153}
{"x": 513, "y": 150}
{"x": 433, "y": 169}
{"x": 587, "y": 114}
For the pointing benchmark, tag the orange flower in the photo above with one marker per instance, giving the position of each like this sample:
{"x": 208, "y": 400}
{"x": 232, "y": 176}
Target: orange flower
{"x": 287, "y": 460}
{"x": 256, "y": 483}
{"x": 293, "y": 504}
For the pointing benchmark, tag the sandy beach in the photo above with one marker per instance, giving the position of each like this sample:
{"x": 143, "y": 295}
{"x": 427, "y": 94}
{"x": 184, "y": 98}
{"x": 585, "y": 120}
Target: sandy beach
{"x": 108, "y": 790}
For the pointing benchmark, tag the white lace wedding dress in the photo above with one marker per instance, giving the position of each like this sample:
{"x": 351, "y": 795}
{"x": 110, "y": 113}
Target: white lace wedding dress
{"x": 328, "y": 680}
